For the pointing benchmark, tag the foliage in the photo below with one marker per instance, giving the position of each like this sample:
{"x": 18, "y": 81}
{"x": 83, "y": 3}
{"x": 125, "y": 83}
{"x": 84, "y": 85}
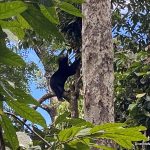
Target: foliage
{"x": 67, "y": 133}
{"x": 36, "y": 23}
{"x": 33, "y": 17}
{"x": 131, "y": 46}
{"x": 132, "y": 89}
{"x": 20, "y": 17}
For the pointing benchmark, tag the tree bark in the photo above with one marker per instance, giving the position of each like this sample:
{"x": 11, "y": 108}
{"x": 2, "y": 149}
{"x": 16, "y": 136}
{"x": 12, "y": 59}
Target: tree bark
{"x": 97, "y": 61}
{"x": 75, "y": 96}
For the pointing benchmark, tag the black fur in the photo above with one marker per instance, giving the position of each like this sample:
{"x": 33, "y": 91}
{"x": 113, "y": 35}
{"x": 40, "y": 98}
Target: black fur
{"x": 59, "y": 78}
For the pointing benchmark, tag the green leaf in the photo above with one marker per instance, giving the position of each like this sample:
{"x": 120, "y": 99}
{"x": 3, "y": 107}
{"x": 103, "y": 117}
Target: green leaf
{"x": 70, "y": 9}
{"x": 41, "y": 24}
{"x": 75, "y": 1}
{"x": 13, "y": 26}
{"x": 140, "y": 95}
{"x": 69, "y": 133}
{"x": 50, "y": 13}
{"x": 106, "y": 126}
{"x": 11, "y": 93}
{"x": 9, "y": 9}
{"x": 27, "y": 113}
{"x": 68, "y": 147}
{"x": 62, "y": 118}
{"x": 84, "y": 132}
{"x": 23, "y": 23}
{"x": 9, "y": 132}
{"x": 20, "y": 95}
{"x": 124, "y": 143}
{"x": 8, "y": 57}
{"x": 125, "y": 136}
{"x": 76, "y": 145}
{"x": 132, "y": 106}
{"x": 24, "y": 97}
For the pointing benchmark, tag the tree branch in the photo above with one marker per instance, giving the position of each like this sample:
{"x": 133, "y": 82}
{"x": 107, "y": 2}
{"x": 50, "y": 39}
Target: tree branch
{"x": 44, "y": 98}
{"x": 23, "y": 123}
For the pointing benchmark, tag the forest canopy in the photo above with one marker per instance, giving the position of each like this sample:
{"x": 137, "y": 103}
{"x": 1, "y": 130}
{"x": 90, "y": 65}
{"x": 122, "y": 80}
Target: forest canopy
{"x": 49, "y": 29}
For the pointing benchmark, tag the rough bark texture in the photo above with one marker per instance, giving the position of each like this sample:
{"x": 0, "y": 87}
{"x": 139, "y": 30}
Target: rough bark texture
{"x": 97, "y": 61}
{"x": 75, "y": 96}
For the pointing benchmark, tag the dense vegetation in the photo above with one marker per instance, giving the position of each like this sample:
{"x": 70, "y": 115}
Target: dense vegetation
{"x": 50, "y": 28}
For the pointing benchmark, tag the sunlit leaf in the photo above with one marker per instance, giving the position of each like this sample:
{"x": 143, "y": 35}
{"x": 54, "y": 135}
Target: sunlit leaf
{"x": 68, "y": 133}
{"x": 27, "y": 113}
{"x": 41, "y": 24}
{"x": 70, "y": 9}
{"x": 14, "y": 27}
{"x": 9, "y": 132}
{"x": 106, "y": 126}
{"x": 8, "y": 57}
{"x": 9, "y": 9}
{"x": 62, "y": 117}
{"x": 50, "y": 13}
{"x": 23, "y": 23}
{"x": 140, "y": 95}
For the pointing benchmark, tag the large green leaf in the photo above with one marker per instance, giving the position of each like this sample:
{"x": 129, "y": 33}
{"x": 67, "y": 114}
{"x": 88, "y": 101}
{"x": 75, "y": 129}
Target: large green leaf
{"x": 50, "y": 13}
{"x": 125, "y": 136}
{"x": 12, "y": 93}
{"x": 76, "y": 145}
{"x": 9, "y": 9}
{"x": 70, "y": 9}
{"x": 79, "y": 144}
{"x": 62, "y": 118}
{"x": 68, "y": 133}
{"x": 116, "y": 131}
{"x": 27, "y": 113}
{"x": 41, "y": 24}
{"x": 18, "y": 94}
{"x": 124, "y": 143}
{"x": 23, "y": 23}
{"x": 84, "y": 132}
{"x": 8, "y": 57}
{"x": 9, "y": 132}
{"x": 24, "y": 97}
{"x": 106, "y": 126}
{"x": 13, "y": 26}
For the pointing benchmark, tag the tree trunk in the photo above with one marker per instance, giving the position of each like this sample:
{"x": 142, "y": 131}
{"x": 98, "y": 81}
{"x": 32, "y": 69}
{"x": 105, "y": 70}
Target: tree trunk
{"x": 97, "y": 61}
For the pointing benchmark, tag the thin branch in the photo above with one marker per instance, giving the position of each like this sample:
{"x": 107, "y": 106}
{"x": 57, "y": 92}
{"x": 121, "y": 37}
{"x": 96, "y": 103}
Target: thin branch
{"x": 22, "y": 122}
{"x": 44, "y": 98}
